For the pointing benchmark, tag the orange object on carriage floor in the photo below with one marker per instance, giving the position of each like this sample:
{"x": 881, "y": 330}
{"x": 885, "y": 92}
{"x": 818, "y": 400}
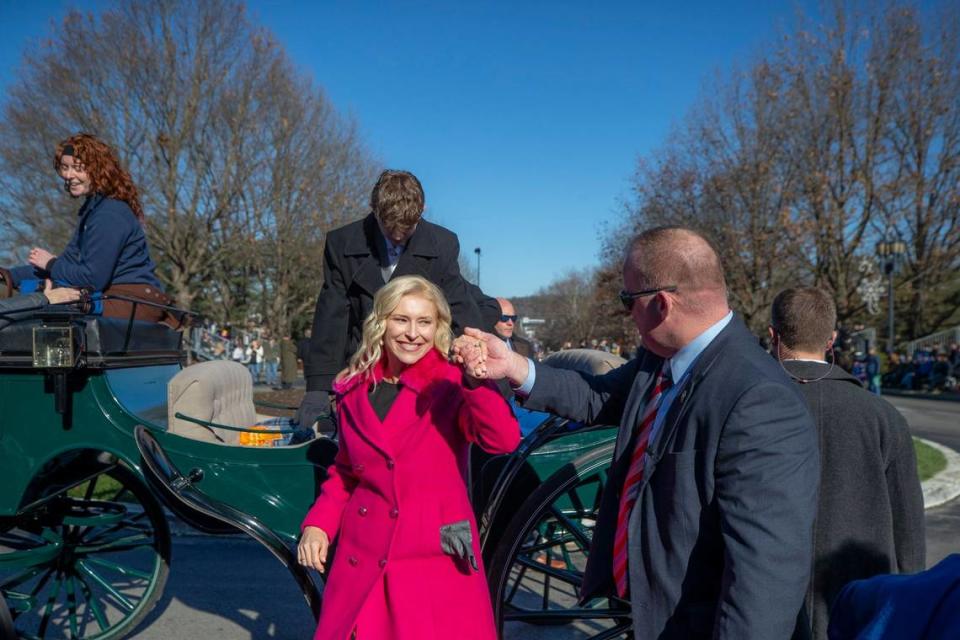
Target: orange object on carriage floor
{"x": 263, "y": 437}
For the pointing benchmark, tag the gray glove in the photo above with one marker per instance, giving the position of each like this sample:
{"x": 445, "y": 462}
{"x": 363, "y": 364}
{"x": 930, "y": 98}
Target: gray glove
{"x": 315, "y": 404}
{"x": 457, "y": 540}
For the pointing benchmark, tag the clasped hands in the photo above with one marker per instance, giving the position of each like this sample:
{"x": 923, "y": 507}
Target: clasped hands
{"x": 476, "y": 353}
{"x": 485, "y": 356}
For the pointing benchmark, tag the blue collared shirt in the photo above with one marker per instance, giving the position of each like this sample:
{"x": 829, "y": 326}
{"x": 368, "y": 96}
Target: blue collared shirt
{"x": 680, "y": 366}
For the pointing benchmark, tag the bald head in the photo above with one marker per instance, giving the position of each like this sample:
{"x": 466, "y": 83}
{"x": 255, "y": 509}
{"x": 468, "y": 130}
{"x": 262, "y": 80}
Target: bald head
{"x": 681, "y": 257}
{"x": 508, "y": 319}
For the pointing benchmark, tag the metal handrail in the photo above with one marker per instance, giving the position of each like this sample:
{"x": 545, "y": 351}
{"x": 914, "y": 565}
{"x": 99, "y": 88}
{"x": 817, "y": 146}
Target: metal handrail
{"x": 216, "y": 425}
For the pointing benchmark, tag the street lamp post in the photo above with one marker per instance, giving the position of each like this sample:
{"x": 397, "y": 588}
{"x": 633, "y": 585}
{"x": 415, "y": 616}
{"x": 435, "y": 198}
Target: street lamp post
{"x": 477, "y": 251}
{"x": 890, "y": 252}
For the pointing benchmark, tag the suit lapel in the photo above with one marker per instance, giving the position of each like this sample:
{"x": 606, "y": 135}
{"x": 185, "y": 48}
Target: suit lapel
{"x": 683, "y": 401}
{"x": 363, "y": 249}
{"x": 367, "y": 424}
{"x": 636, "y": 400}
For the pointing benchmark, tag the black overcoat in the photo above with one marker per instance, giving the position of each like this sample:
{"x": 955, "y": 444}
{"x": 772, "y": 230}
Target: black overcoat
{"x": 352, "y": 275}
{"x": 870, "y": 515}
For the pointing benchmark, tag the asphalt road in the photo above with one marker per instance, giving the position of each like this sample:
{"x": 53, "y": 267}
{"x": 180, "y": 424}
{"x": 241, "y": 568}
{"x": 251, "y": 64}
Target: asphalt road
{"x": 231, "y": 588}
{"x": 938, "y": 421}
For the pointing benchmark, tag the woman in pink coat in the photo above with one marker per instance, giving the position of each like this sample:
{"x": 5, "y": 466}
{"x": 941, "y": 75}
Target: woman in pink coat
{"x": 407, "y": 417}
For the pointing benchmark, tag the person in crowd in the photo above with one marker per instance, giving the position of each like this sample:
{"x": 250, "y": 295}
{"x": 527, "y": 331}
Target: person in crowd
{"x": 271, "y": 361}
{"x": 506, "y": 326}
{"x": 303, "y": 348}
{"x": 408, "y": 556}
{"x": 254, "y": 359}
{"x": 939, "y": 372}
{"x": 16, "y": 307}
{"x": 870, "y": 512}
{"x": 108, "y": 251}
{"x": 288, "y": 365}
{"x": 872, "y": 365}
{"x": 359, "y": 258}
{"x": 239, "y": 352}
{"x": 706, "y": 522}
{"x": 707, "y": 519}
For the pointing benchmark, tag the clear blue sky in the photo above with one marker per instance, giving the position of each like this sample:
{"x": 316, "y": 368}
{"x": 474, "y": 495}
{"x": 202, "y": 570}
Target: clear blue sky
{"x": 523, "y": 119}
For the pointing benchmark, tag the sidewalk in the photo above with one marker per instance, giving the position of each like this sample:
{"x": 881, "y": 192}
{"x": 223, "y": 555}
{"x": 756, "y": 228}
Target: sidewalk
{"x": 949, "y": 396}
{"x": 945, "y": 486}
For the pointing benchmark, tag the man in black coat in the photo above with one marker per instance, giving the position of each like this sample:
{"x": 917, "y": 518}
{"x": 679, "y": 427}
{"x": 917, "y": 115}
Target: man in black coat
{"x": 870, "y": 514}
{"x": 359, "y": 258}
{"x": 706, "y": 521}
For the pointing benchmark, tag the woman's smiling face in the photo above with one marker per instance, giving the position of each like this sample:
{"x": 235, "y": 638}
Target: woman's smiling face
{"x": 76, "y": 180}
{"x": 409, "y": 334}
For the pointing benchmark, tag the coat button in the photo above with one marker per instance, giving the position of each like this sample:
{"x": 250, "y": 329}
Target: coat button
{"x": 358, "y": 468}
{"x": 353, "y": 561}
{"x": 383, "y": 563}
{"x": 362, "y": 511}
{"x": 394, "y": 512}
{"x": 390, "y": 464}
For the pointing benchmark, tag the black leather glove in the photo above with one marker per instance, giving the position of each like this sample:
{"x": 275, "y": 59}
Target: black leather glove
{"x": 315, "y": 404}
{"x": 457, "y": 540}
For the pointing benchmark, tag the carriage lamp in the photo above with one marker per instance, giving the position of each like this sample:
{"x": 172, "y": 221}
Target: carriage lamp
{"x": 53, "y": 348}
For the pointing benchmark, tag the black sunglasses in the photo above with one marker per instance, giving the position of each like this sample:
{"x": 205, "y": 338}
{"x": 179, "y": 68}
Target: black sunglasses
{"x": 506, "y": 318}
{"x": 627, "y": 297}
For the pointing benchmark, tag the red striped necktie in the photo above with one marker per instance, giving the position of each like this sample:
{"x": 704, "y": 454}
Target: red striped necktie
{"x": 631, "y": 487}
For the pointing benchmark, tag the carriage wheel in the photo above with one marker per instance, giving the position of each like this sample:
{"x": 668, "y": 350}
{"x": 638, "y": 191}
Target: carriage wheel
{"x": 538, "y": 565}
{"x": 7, "y": 631}
{"x": 89, "y": 563}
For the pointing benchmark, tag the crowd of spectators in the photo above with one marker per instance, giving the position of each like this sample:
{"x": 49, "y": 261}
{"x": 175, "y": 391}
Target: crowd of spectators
{"x": 254, "y": 347}
{"x": 928, "y": 370}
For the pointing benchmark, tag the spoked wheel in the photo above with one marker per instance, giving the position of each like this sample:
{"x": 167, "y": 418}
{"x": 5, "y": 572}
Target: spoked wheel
{"x": 89, "y": 563}
{"x": 7, "y": 631}
{"x": 537, "y": 569}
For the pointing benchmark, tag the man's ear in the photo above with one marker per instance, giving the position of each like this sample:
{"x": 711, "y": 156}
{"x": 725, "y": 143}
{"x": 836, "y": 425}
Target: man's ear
{"x": 833, "y": 338}
{"x": 771, "y": 333}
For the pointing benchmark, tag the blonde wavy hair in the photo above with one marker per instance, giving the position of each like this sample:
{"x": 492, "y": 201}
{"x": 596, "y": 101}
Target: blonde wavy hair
{"x": 385, "y": 302}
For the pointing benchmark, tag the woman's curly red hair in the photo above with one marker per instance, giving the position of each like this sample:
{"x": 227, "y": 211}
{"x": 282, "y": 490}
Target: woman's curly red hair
{"x": 107, "y": 177}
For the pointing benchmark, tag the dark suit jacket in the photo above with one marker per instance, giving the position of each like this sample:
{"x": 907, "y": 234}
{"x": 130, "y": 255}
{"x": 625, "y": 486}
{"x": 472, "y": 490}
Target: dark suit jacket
{"x": 352, "y": 263}
{"x": 721, "y": 536}
{"x": 870, "y": 514}
{"x": 522, "y": 346}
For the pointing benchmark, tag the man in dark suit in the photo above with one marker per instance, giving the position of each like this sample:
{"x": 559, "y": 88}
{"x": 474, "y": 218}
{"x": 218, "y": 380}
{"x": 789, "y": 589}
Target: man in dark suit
{"x": 870, "y": 513}
{"x": 506, "y": 327}
{"x": 705, "y": 525}
{"x": 359, "y": 258}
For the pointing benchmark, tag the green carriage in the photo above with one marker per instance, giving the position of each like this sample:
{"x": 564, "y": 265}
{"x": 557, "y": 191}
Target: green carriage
{"x": 91, "y": 473}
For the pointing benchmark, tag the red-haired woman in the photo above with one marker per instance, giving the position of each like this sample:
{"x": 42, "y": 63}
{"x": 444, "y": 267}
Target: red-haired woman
{"x": 108, "y": 251}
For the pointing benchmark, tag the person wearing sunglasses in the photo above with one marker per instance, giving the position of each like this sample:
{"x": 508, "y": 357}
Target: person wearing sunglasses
{"x": 706, "y": 522}
{"x": 506, "y": 326}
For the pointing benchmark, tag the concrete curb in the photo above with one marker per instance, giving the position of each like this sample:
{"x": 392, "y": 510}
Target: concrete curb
{"x": 944, "y": 396}
{"x": 945, "y": 486}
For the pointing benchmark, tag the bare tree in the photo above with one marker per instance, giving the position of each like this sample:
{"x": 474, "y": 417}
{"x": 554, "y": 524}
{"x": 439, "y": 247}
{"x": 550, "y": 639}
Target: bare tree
{"x": 242, "y": 164}
{"x": 847, "y": 132}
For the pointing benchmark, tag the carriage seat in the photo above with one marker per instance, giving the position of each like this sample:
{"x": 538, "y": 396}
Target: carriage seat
{"x": 590, "y": 361}
{"x": 217, "y": 391}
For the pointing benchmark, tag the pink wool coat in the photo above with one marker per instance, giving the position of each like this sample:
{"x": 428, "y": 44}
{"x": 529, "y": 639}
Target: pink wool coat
{"x": 392, "y": 487}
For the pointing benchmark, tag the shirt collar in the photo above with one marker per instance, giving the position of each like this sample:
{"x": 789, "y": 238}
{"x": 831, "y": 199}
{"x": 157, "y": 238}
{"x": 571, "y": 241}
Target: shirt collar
{"x": 686, "y": 356}
{"x": 392, "y": 249}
